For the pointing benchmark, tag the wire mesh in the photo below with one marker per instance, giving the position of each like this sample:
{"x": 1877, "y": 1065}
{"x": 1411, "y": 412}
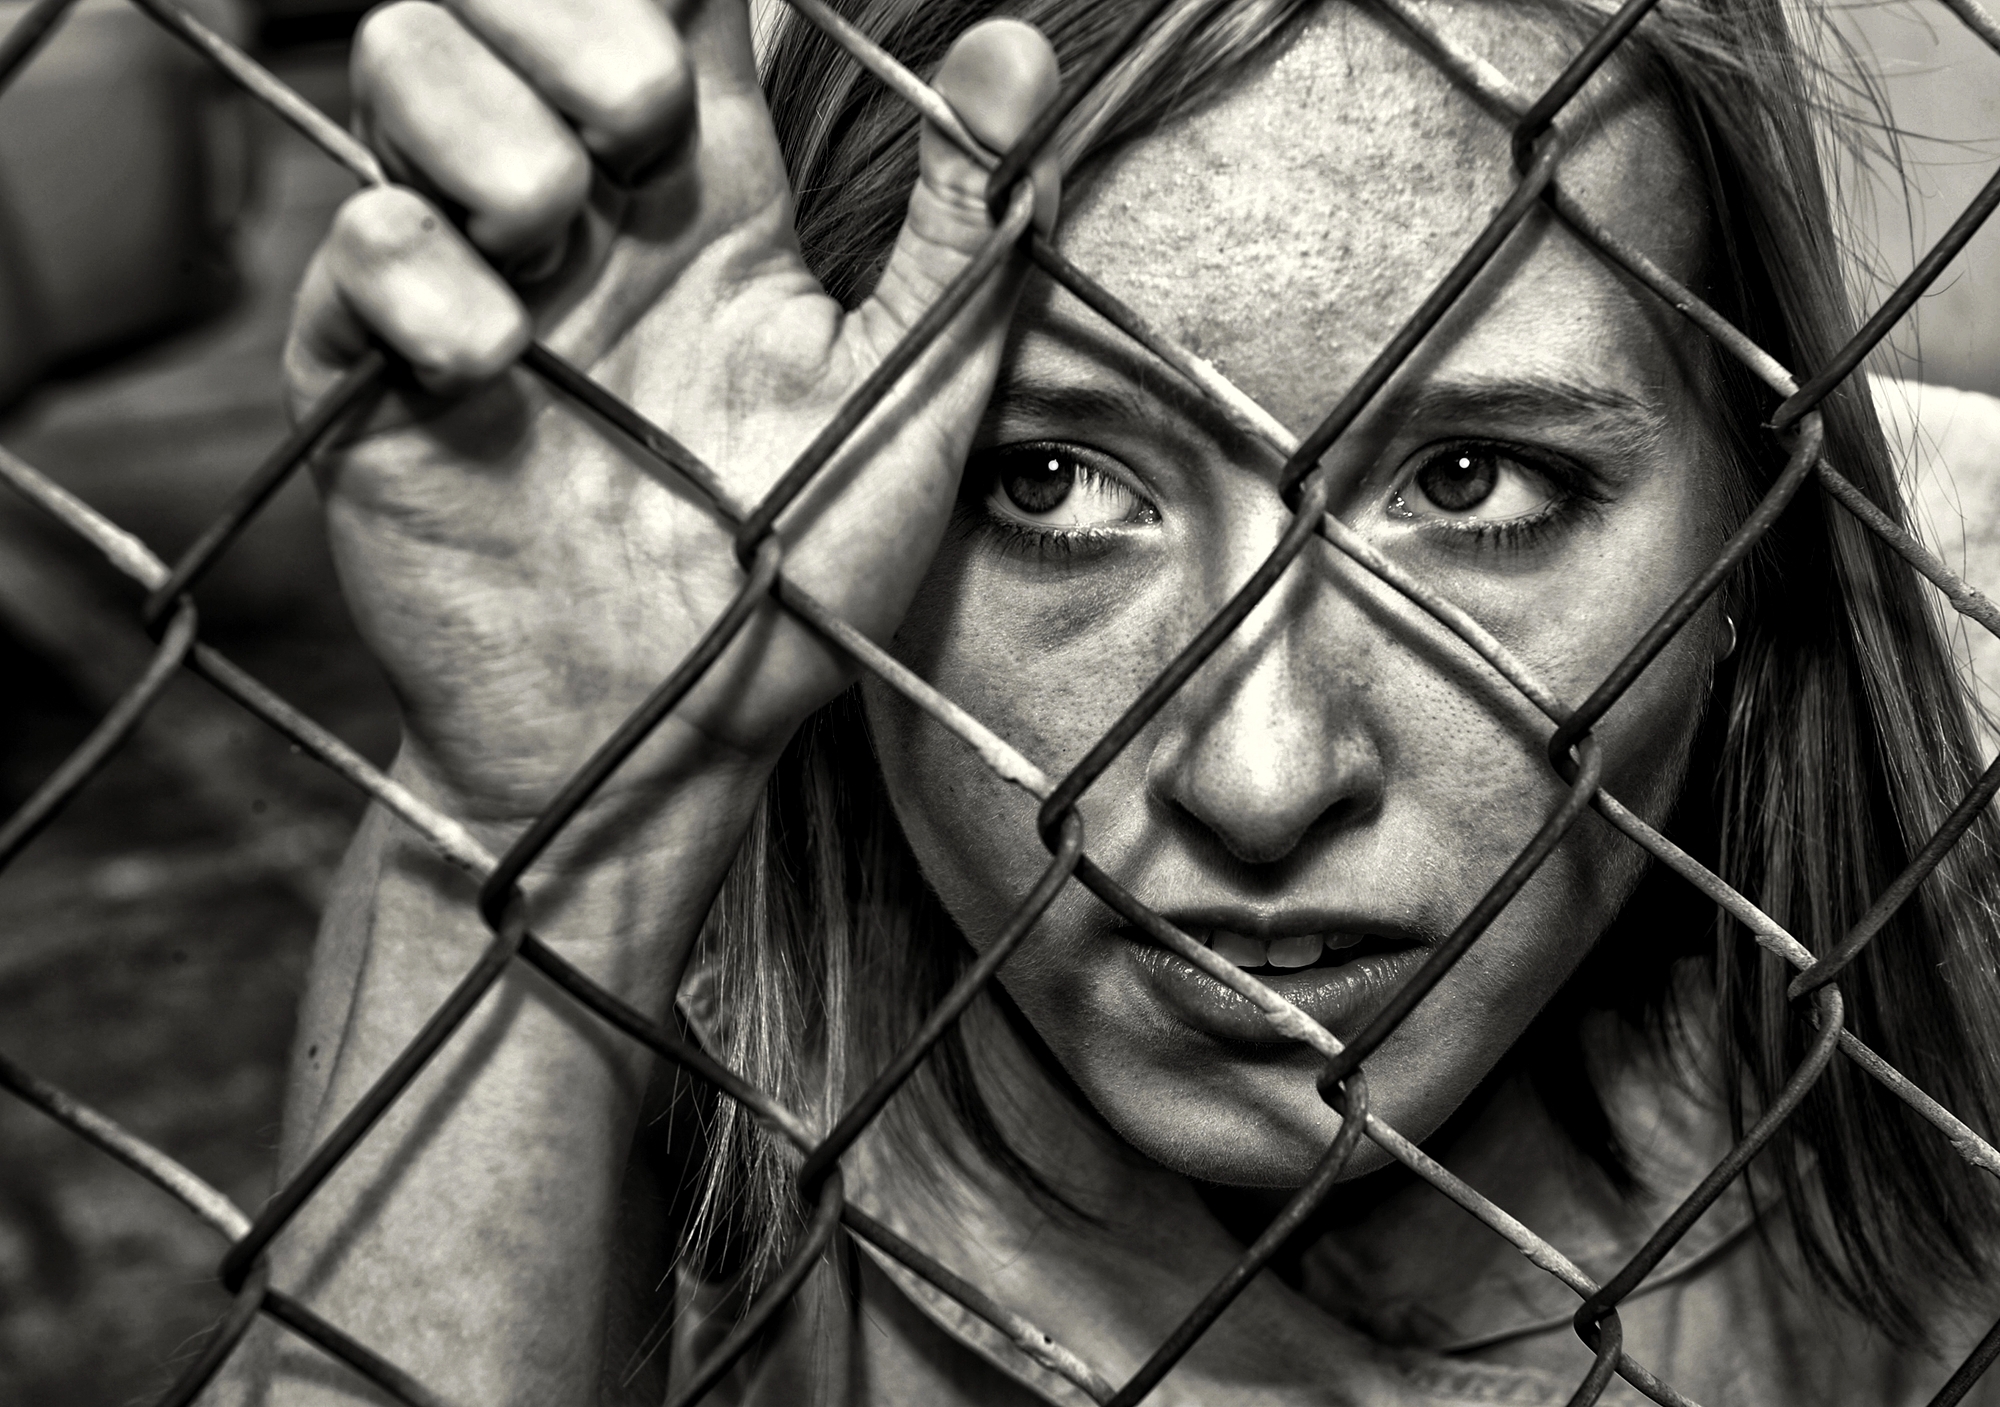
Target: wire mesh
{"x": 1539, "y": 147}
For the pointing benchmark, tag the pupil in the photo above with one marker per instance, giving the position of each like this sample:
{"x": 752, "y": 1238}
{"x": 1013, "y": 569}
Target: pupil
{"x": 1457, "y": 482}
{"x": 1038, "y": 484}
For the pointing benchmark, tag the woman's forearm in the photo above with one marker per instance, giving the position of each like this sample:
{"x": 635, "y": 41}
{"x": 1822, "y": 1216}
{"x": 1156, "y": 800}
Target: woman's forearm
{"x": 467, "y": 1237}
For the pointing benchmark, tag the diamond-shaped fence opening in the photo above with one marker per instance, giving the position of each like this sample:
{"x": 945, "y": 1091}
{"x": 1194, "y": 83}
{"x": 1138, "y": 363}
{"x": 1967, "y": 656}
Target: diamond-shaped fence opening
{"x": 1539, "y": 147}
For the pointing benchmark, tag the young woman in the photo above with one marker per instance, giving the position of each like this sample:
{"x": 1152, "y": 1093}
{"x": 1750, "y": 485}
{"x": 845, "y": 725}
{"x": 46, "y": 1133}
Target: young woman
{"x": 1038, "y": 519}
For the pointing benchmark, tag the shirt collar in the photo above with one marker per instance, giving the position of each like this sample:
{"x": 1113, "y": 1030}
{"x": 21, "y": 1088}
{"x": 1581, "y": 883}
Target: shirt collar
{"x": 1105, "y": 1294}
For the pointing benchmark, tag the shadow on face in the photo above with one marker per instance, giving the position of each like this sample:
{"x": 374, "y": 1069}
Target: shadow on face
{"x": 1338, "y": 786}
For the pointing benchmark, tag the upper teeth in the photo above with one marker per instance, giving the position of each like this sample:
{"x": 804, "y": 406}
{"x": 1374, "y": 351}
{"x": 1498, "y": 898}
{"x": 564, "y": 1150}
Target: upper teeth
{"x": 1301, "y": 951}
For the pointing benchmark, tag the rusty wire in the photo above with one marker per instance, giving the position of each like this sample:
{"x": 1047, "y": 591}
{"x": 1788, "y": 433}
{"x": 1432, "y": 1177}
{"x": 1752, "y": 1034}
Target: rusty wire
{"x": 1538, "y": 147}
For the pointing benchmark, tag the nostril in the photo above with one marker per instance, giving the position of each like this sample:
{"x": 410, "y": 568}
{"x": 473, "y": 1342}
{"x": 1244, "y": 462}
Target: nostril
{"x": 1259, "y": 840}
{"x": 1277, "y": 748}
{"x": 1263, "y": 827}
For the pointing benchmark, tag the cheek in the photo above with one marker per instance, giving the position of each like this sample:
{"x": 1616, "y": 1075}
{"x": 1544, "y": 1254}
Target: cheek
{"x": 1647, "y": 732}
{"x": 1483, "y": 793}
{"x": 1047, "y": 669}
{"x": 971, "y": 833}
{"x": 1574, "y": 622}
{"x": 1049, "y": 665}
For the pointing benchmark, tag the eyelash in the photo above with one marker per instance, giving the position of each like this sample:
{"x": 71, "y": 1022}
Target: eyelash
{"x": 1573, "y": 497}
{"x": 1044, "y": 544}
{"x": 1511, "y": 534}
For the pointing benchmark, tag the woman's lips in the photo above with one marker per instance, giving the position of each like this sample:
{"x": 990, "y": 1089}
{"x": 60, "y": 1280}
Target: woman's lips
{"x": 1350, "y": 978}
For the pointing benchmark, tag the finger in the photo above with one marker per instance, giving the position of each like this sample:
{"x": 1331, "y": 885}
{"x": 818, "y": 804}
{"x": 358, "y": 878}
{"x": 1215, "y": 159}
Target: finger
{"x": 448, "y": 115}
{"x": 394, "y": 270}
{"x": 998, "y": 76}
{"x": 615, "y": 68}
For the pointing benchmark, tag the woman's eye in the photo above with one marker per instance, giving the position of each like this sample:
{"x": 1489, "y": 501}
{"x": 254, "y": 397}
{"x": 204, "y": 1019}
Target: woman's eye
{"x": 1058, "y": 488}
{"x": 1474, "y": 483}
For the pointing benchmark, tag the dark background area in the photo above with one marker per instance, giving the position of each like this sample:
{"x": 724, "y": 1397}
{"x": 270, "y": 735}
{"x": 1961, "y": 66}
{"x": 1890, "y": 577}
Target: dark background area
{"x": 153, "y": 942}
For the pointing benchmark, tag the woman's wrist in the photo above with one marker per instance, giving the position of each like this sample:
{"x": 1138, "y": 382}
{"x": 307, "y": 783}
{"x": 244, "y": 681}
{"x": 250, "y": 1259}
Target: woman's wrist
{"x": 624, "y": 885}
{"x": 640, "y": 809}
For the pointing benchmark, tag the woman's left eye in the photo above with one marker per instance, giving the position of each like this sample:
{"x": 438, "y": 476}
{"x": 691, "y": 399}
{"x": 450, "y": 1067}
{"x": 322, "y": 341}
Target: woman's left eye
{"x": 1058, "y": 489}
{"x": 1475, "y": 485}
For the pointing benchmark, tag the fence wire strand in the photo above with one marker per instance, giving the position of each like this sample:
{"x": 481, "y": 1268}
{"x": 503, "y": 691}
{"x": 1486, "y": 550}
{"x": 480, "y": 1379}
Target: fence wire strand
{"x": 758, "y": 531}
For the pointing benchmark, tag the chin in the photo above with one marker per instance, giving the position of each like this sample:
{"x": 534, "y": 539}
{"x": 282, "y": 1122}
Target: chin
{"x": 1270, "y": 1140}
{"x": 1268, "y": 1128}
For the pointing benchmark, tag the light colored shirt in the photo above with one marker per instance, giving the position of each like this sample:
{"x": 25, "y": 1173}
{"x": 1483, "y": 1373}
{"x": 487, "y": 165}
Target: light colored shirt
{"x": 1449, "y": 1316}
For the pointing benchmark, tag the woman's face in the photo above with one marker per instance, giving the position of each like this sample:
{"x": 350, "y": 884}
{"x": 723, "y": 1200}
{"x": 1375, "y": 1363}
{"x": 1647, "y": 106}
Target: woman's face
{"x": 1336, "y": 788}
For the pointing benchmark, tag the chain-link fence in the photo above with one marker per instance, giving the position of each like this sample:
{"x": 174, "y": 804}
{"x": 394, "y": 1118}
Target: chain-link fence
{"x": 1539, "y": 146}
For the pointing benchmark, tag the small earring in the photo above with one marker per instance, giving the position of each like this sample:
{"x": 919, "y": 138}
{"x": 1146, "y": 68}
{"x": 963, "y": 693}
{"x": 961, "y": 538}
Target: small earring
{"x": 1729, "y": 646}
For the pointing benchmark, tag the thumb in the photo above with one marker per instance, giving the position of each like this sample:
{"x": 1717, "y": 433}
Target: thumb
{"x": 998, "y": 76}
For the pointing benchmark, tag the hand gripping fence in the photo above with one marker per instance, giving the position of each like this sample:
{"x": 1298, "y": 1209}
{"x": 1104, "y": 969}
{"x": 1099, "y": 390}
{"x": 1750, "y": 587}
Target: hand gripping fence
{"x": 1538, "y": 148}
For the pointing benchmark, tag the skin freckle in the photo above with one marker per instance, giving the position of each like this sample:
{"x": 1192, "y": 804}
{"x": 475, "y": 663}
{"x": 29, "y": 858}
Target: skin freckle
{"x": 1318, "y": 762}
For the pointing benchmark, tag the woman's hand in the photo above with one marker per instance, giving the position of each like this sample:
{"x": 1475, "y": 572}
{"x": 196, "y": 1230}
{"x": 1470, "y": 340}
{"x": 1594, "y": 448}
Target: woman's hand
{"x": 584, "y": 173}
{"x": 588, "y": 174}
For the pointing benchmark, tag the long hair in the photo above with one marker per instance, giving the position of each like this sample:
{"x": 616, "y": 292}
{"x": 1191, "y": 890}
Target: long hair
{"x": 1837, "y": 740}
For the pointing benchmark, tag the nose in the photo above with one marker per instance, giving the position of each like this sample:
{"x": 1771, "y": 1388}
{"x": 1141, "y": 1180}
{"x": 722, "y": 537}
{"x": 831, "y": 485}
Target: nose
{"x": 1272, "y": 741}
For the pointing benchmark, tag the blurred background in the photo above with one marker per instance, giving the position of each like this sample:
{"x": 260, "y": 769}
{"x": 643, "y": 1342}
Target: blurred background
{"x": 153, "y": 941}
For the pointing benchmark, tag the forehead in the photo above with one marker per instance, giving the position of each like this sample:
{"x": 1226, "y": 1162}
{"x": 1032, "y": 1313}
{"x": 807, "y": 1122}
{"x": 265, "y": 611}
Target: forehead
{"x": 1286, "y": 228}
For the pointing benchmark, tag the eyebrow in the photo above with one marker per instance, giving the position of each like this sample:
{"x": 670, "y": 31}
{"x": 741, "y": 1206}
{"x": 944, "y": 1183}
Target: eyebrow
{"x": 1038, "y": 399}
{"x": 1621, "y": 424}
{"x": 1521, "y": 398}
{"x": 1137, "y": 394}
{"x": 1628, "y": 423}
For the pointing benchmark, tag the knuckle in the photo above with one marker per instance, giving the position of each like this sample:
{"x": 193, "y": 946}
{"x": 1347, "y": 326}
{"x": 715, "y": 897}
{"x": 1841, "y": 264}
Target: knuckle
{"x": 464, "y": 365}
{"x": 379, "y": 226}
{"x": 537, "y": 192}
{"x": 495, "y": 330}
{"x": 389, "y": 32}
{"x": 644, "y": 108}
{"x": 949, "y": 204}
{"x": 524, "y": 203}
{"x": 957, "y": 187}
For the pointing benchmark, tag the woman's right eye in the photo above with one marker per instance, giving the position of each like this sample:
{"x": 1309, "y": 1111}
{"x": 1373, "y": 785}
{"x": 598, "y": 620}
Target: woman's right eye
{"x": 1058, "y": 489}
